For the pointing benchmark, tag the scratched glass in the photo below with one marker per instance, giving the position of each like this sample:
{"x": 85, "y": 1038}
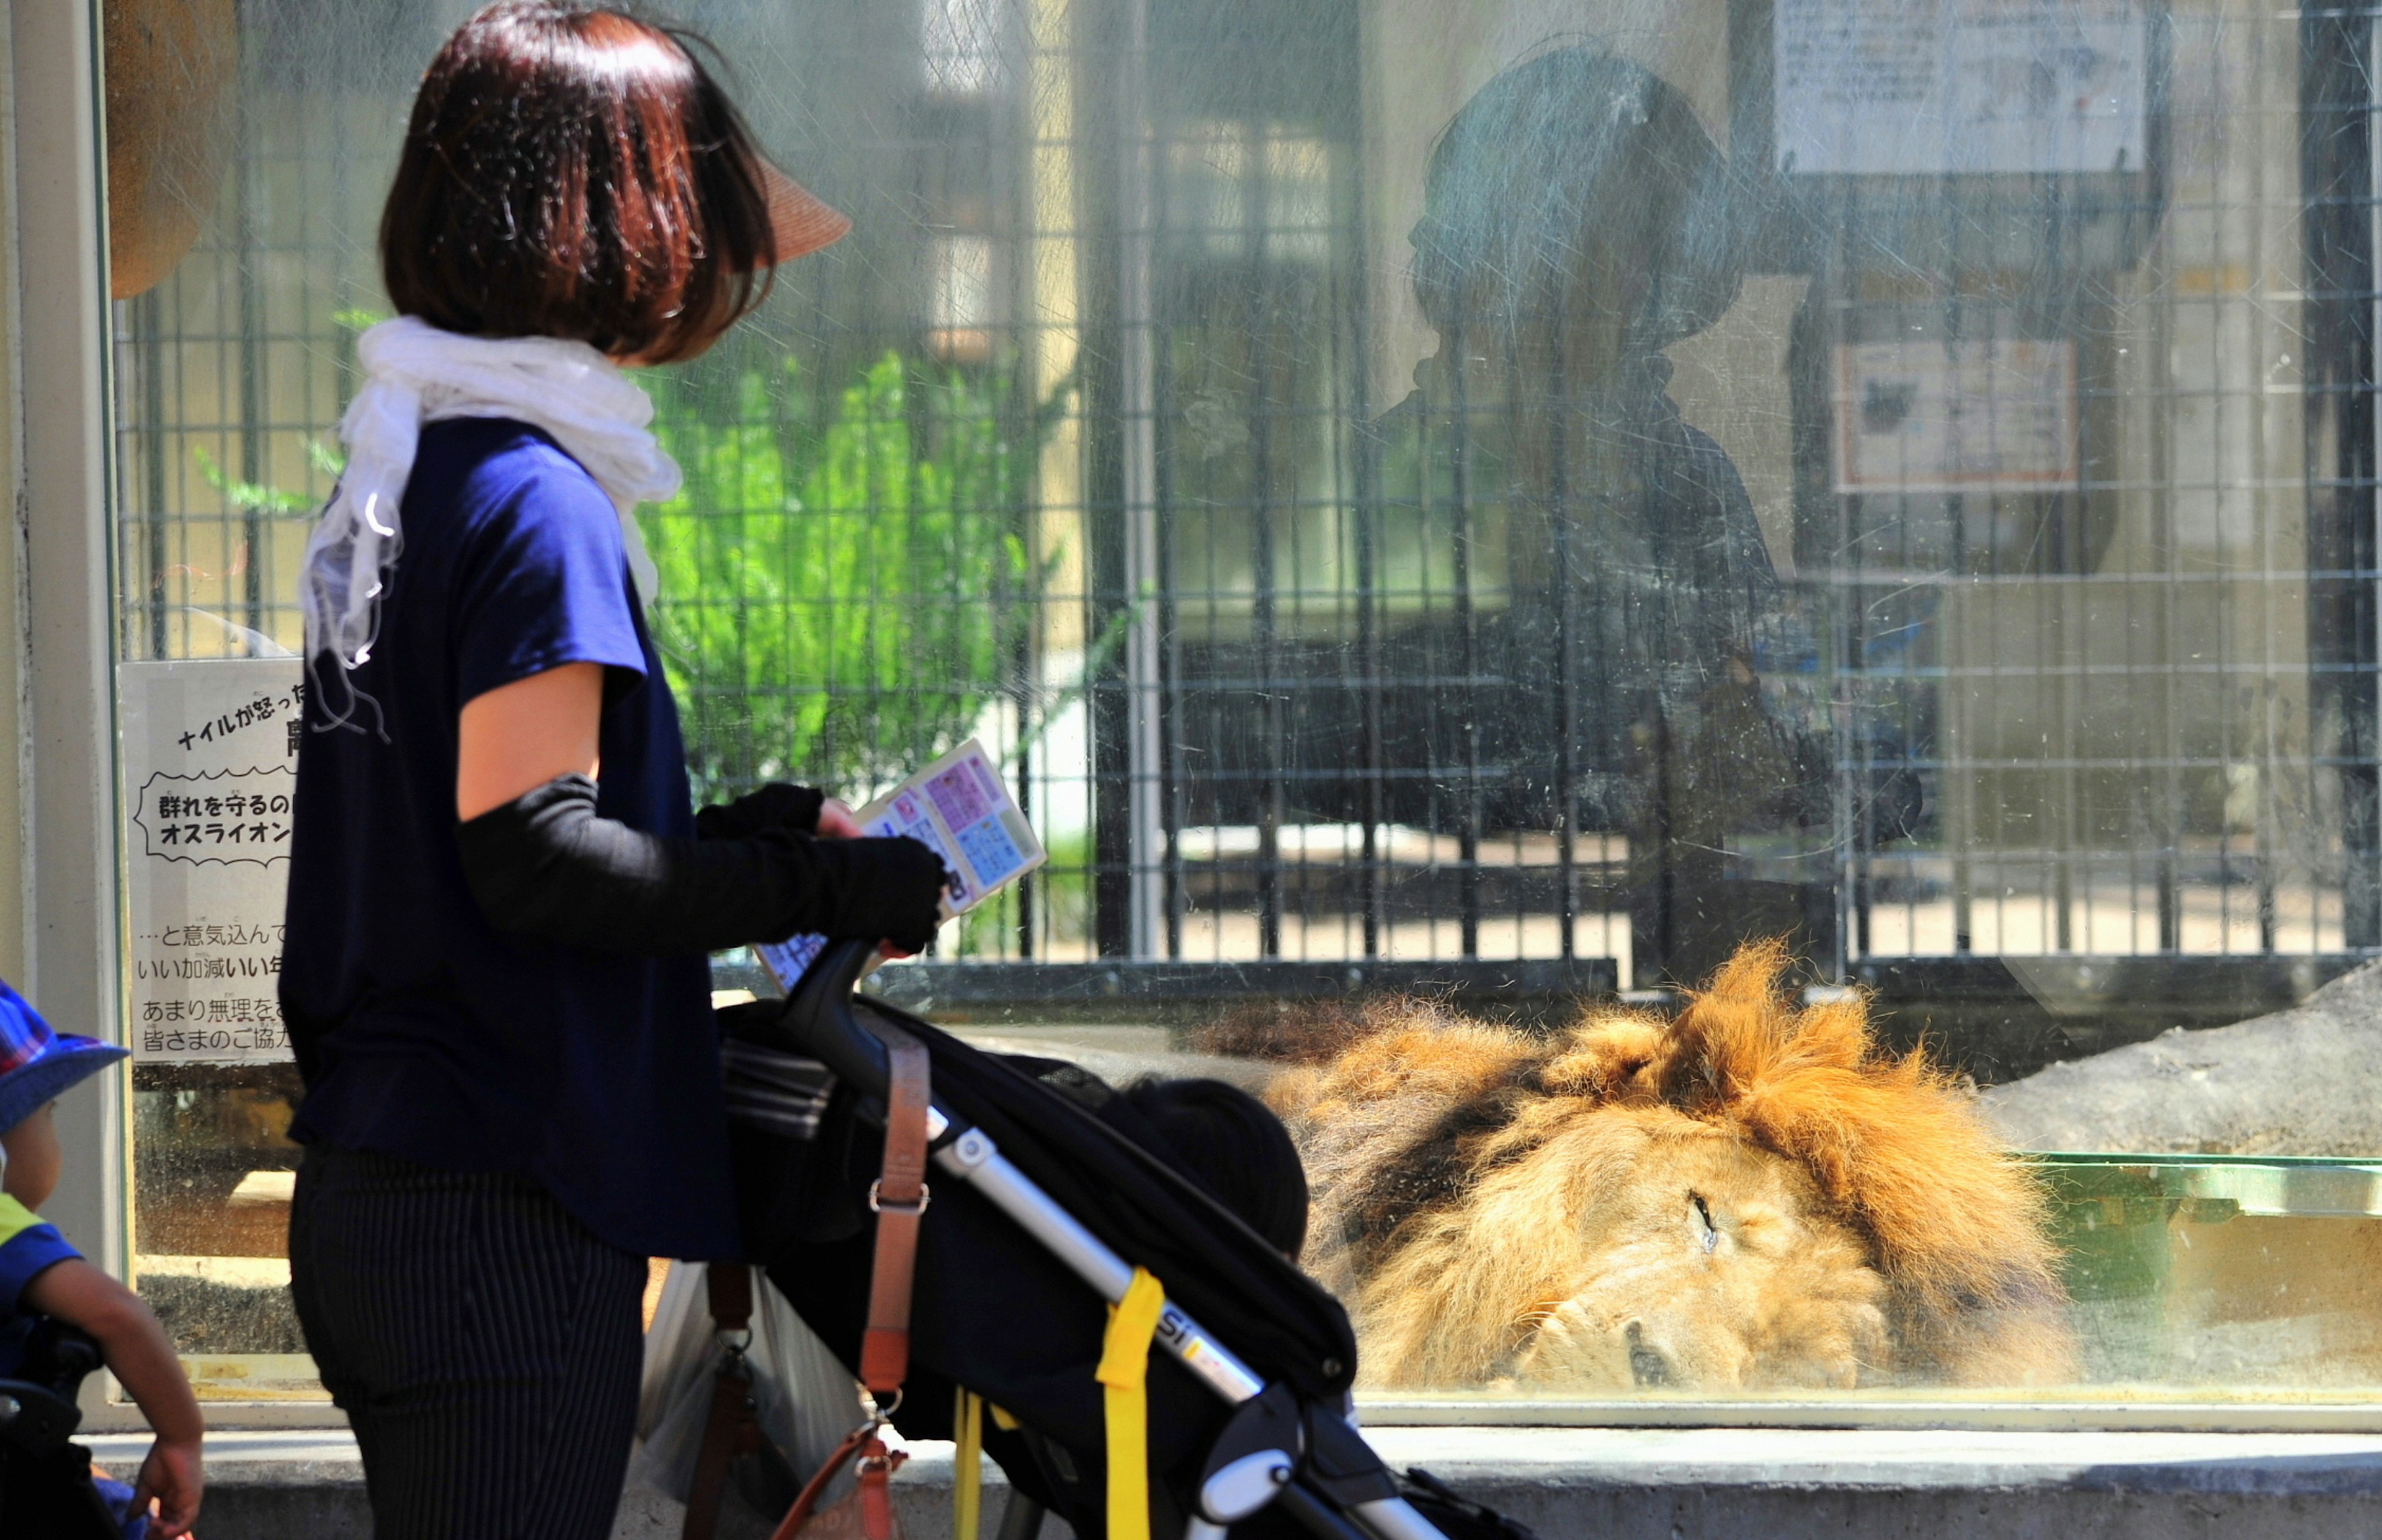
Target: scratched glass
{"x": 1505, "y": 500}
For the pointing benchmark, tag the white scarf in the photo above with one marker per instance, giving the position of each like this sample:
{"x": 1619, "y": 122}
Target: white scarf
{"x": 415, "y": 373}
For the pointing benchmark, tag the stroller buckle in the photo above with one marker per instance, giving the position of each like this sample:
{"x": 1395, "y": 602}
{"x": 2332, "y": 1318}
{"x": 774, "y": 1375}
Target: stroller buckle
{"x": 878, "y": 1205}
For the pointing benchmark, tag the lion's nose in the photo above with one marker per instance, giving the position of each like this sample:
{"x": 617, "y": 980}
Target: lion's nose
{"x": 1647, "y": 1364}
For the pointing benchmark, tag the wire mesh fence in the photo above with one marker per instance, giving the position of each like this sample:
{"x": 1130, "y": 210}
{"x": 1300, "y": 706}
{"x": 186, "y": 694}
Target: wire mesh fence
{"x": 1379, "y": 512}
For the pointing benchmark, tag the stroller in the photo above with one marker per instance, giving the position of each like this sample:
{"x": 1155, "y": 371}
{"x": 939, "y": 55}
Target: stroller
{"x": 1041, "y": 1212}
{"x": 45, "y": 1480}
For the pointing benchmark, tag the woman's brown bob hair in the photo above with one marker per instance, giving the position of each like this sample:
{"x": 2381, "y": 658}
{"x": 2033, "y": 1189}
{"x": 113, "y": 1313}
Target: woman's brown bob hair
{"x": 576, "y": 173}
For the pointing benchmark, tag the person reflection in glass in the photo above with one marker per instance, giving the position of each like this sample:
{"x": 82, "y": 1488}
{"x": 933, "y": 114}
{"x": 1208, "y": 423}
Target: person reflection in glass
{"x": 1631, "y": 640}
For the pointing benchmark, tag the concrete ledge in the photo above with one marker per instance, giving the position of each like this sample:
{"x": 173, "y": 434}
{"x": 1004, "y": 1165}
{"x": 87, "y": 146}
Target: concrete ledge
{"x": 1613, "y": 1483}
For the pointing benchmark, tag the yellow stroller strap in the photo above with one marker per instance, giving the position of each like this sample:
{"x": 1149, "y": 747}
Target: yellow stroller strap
{"x": 1124, "y": 1372}
{"x": 967, "y": 1465}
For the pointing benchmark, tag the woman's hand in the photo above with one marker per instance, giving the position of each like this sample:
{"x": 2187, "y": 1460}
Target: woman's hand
{"x": 835, "y": 822}
{"x": 779, "y": 805}
{"x": 893, "y": 890}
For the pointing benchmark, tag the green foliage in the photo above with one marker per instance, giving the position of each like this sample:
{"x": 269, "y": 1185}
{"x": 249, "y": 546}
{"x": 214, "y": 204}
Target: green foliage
{"x": 249, "y": 496}
{"x": 844, "y": 590}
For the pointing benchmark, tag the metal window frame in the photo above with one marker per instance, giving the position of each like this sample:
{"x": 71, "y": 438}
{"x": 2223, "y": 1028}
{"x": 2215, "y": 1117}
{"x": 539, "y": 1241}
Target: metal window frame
{"x": 68, "y": 797}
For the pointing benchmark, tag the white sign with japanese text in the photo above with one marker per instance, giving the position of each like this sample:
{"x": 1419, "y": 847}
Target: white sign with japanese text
{"x": 210, "y": 762}
{"x": 1946, "y": 87}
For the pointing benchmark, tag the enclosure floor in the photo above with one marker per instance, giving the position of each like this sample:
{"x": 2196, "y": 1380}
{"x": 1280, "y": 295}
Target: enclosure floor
{"x": 2105, "y": 920}
{"x": 2109, "y": 920}
{"x": 1338, "y": 938}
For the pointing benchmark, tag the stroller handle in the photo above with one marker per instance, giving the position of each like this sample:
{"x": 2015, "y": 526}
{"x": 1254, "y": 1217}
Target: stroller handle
{"x": 818, "y": 1012}
{"x": 818, "y": 1007}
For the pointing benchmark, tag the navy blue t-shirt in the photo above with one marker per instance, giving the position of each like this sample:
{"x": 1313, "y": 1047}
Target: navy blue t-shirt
{"x": 421, "y": 1031}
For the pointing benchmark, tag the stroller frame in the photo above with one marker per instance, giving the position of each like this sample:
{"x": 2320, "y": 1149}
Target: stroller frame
{"x": 1331, "y": 1503}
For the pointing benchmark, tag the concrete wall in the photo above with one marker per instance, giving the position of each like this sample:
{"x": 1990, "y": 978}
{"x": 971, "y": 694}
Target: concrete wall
{"x": 1612, "y": 1484}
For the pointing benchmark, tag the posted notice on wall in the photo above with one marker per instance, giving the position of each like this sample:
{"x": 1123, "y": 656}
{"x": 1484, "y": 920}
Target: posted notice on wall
{"x": 960, "y": 808}
{"x": 1929, "y": 415}
{"x": 210, "y": 762}
{"x": 1938, "y": 87}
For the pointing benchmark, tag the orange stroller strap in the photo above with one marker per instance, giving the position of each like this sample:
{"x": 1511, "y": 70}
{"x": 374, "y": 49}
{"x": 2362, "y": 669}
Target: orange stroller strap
{"x": 876, "y": 1469}
{"x": 859, "y": 1441}
{"x": 899, "y": 1196}
{"x": 900, "y": 1199}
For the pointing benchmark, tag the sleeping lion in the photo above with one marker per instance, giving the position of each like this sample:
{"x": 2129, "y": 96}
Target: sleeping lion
{"x": 1749, "y": 1196}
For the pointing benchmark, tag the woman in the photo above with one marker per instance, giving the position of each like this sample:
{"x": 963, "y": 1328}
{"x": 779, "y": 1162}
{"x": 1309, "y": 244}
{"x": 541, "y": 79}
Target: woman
{"x": 499, "y": 898}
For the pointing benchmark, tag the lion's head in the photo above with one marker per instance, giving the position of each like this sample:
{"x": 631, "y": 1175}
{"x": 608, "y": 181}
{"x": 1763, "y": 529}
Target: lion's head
{"x": 1746, "y": 1196}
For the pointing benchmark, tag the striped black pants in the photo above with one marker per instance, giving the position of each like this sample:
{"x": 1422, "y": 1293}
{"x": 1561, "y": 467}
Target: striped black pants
{"x": 484, "y": 1344}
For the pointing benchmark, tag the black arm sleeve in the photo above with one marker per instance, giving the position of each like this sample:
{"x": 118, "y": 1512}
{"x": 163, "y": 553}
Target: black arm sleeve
{"x": 544, "y": 864}
{"x": 775, "y": 806}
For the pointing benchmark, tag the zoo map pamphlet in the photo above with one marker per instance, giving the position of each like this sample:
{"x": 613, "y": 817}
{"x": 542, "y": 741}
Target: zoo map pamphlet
{"x": 958, "y": 808}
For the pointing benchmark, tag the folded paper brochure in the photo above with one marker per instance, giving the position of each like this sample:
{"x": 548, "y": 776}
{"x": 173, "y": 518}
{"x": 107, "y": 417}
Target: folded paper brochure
{"x": 960, "y": 810}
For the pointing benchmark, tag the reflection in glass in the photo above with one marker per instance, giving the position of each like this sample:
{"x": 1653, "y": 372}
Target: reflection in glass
{"x": 1534, "y": 496}
{"x": 1655, "y": 679}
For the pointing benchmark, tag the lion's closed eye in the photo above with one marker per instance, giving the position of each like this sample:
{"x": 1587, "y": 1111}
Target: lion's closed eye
{"x": 1707, "y": 1233}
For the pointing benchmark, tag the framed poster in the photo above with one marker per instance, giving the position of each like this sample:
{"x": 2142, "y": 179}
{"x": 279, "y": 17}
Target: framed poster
{"x": 210, "y": 762}
{"x": 1944, "y": 87}
{"x": 1931, "y": 415}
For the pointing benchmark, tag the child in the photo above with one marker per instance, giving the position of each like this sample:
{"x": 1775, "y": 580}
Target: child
{"x": 1233, "y": 1146}
{"x": 41, "y": 1274}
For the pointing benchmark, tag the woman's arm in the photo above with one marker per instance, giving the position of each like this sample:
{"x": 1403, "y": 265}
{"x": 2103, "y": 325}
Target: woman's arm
{"x": 519, "y": 736}
{"x": 541, "y": 862}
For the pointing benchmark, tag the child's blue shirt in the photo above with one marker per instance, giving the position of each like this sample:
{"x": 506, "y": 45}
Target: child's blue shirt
{"x": 28, "y": 1246}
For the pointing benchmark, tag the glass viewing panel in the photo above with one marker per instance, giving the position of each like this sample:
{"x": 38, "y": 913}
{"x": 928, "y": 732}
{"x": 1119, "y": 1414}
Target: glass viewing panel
{"x": 1495, "y": 500}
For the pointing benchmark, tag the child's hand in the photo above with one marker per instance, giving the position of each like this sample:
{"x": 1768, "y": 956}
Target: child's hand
{"x": 170, "y": 1474}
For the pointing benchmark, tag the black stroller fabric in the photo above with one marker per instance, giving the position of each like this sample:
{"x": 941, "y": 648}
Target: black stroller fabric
{"x": 996, "y": 1313}
{"x": 1458, "y": 1517}
{"x": 45, "y": 1481}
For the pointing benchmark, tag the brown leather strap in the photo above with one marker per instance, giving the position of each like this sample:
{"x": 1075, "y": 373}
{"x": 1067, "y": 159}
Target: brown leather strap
{"x": 857, "y": 1441}
{"x": 730, "y": 1433}
{"x": 900, "y": 1199}
{"x": 876, "y": 1469}
{"x": 730, "y": 1430}
{"x": 729, "y": 1285}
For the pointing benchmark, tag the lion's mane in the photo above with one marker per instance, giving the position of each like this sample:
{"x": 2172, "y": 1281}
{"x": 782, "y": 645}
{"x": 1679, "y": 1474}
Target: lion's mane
{"x": 1452, "y": 1163}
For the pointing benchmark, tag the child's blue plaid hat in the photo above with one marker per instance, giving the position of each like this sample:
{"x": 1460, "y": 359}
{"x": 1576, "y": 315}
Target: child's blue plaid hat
{"x": 36, "y": 1064}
